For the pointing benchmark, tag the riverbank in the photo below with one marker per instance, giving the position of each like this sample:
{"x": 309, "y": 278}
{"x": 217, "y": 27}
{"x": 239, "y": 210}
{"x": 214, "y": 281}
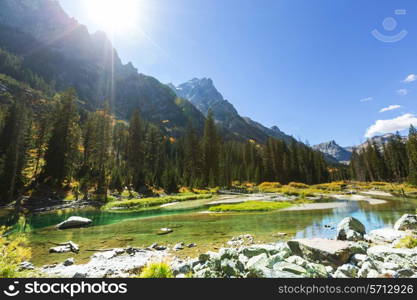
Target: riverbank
{"x": 376, "y": 254}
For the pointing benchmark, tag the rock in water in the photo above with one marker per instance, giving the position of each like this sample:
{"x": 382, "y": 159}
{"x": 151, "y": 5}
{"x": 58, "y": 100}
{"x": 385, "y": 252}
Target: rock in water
{"x": 163, "y": 231}
{"x": 323, "y": 250}
{"x": 406, "y": 222}
{"x": 350, "y": 229}
{"x": 74, "y": 222}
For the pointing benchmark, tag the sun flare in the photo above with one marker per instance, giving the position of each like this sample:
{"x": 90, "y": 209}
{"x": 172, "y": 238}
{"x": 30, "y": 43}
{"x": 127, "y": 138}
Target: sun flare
{"x": 113, "y": 16}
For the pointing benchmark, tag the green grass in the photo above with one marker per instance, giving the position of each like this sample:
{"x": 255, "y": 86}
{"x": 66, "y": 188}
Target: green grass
{"x": 157, "y": 270}
{"x": 136, "y": 204}
{"x": 250, "y": 206}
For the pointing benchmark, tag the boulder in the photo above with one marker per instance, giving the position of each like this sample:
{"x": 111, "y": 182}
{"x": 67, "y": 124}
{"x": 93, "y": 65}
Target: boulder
{"x": 350, "y": 229}
{"x": 324, "y": 251}
{"x": 406, "y": 222}
{"x": 74, "y": 222}
{"x": 256, "y": 265}
{"x": 384, "y": 235}
{"x": 60, "y": 249}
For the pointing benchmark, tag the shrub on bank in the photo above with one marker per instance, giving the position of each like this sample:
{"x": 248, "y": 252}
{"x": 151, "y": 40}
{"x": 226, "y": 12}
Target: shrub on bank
{"x": 157, "y": 270}
{"x": 12, "y": 253}
{"x": 269, "y": 187}
{"x": 298, "y": 185}
{"x": 407, "y": 242}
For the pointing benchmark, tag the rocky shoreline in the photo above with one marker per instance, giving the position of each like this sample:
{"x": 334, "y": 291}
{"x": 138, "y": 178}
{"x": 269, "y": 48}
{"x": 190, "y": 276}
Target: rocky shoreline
{"x": 354, "y": 254}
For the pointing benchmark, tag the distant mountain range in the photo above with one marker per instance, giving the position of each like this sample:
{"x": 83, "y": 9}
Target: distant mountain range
{"x": 61, "y": 53}
{"x": 335, "y": 153}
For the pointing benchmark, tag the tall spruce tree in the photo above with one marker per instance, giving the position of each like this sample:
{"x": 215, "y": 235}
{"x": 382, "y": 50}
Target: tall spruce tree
{"x": 63, "y": 146}
{"x": 14, "y": 138}
{"x": 135, "y": 152}
{"x": 211, "y": 151}
{"x": 412, "y": 155}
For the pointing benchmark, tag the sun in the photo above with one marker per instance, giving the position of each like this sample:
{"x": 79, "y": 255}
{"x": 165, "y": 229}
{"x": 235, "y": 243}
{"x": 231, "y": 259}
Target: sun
{"x": 113, "y": 16}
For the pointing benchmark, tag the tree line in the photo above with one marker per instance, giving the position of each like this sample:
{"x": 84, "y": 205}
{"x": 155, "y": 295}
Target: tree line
{"x": 395, "y": 161}
{"x": 93, "y": 153}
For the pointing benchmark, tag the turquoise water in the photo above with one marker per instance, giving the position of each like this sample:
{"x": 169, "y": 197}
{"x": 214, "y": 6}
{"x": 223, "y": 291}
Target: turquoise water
{"x": 139, "y": 229}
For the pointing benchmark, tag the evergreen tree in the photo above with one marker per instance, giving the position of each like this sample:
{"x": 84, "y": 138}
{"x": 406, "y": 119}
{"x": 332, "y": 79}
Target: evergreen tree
{"x": 210, "y": 149}
{"x": 14, "y": 137}
{"x": 135, "y": 155}
{"x": 63, "y": 147}
{"x": 412, "y": 155}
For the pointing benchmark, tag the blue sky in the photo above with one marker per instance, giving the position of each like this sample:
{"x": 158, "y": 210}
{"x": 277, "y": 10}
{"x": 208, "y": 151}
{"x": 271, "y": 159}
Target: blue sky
{"x": 311, "y": 67}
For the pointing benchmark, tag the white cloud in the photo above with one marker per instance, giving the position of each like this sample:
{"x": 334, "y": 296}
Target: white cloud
{"x": 392, "y": 125}
{"x": 402, "y": 92}
{"x": 410, "y": 78}
{"x": 367, "y": 99}
{"x": 391, "y": 107}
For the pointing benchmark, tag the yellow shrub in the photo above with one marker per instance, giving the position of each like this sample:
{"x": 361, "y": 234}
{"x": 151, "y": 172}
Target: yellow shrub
{"x": 298, "y": 185}
{"x": 12, "y": 253}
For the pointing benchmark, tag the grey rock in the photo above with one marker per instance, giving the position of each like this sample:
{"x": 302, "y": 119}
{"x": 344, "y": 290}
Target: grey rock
{"x": 350, "y": 229}
{"x": 366, "y": 268}
{"x": 318, "y": 270}
{"x": 289, "y": 267}
{"x": 381, "y": 252}
{"x": 406, "y": 273}
{"x": 384, "y": 235}
{"x": 74, "y": 222}
{"x": 26, "y": 265}
{"x": 60, "y": 249}
{"x": 358, "y": 259}
{"x": 229, "y": 268}
{"x": 256, "y": 265}
{"x": 297, "y": 260}
{"x": 179, "y": 246}
{"x": 406, "y": 222}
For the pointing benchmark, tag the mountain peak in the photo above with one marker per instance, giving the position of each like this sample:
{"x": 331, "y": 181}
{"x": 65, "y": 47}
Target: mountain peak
{"x": 334, "y": 150}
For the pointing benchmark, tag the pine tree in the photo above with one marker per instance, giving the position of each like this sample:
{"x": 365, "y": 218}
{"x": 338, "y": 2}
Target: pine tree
{"x": 210, "y": 148}
{"x": 63, "y": 146}
{"x": 13, "y": 152}
{"x": 412, "y": 155}
{"x": 135, "y": 151}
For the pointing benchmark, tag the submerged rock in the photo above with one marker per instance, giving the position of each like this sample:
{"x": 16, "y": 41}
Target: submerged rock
{"x": 406, "y": 222}
{"x": 74, "y": 222}
{"x": 350, "y": 229}
{"x": 65, "y": 247}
